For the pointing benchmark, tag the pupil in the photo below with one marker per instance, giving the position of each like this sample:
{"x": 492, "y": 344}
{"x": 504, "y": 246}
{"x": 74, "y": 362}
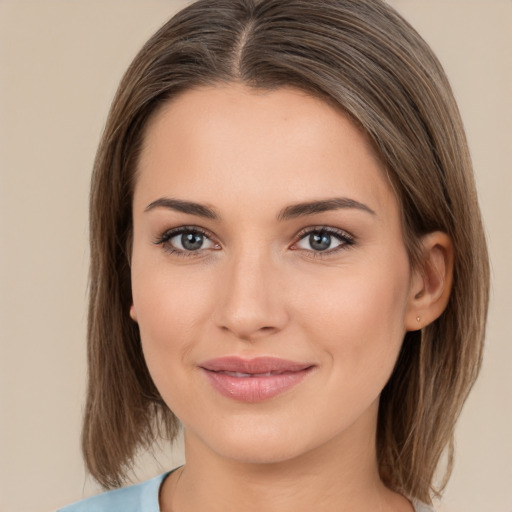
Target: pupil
{"x": 320, "y": 241}
{"x": 192, "y": 241}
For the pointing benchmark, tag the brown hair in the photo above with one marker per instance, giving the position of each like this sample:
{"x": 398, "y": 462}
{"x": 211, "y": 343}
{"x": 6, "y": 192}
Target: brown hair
{"x": 363, "y": 57}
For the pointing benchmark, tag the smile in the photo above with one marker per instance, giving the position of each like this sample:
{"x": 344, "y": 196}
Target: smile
{"x": 253, "y": 380}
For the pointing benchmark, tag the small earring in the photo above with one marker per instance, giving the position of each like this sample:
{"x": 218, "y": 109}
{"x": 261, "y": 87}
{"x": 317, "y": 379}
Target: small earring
{"x": 418, "y": 319}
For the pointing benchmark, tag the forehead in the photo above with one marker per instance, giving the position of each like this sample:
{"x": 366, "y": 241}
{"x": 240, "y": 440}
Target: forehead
{"x": 284, "y": 145}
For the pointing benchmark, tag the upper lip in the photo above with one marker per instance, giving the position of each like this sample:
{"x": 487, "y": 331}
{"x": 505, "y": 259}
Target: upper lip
{"x": 257, "y": 365}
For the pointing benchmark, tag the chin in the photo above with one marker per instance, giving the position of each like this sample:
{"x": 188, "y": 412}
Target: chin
{"x": 253, "y": 446}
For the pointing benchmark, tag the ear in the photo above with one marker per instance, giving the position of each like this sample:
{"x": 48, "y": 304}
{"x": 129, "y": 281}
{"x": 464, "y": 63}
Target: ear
{"x": 431, "y": 283}
{"x": 133, "y": 314}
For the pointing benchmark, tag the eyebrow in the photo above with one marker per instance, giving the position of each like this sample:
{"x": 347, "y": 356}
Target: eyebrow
{"x": 311, "y": 207}
{"x": 185, "y": 207}
{"x": 290, "y": 212}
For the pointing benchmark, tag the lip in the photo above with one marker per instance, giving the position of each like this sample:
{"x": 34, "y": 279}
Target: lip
{"x": 254, "y": 380}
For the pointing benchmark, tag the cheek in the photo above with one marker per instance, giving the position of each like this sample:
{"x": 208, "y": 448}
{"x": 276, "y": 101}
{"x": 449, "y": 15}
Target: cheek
{"x": 359, "y": 314}
{"x": 172, "y": 306}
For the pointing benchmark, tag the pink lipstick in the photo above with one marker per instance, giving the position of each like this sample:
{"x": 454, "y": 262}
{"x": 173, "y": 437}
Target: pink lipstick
{"x": 253, "y": 380}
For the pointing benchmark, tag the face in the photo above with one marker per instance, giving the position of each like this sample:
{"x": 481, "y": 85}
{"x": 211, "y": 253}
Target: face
{"x": 270, "y": 278}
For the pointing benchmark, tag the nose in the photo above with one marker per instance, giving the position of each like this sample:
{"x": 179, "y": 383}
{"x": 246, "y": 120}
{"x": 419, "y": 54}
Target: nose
{"x": 252, "y": 303}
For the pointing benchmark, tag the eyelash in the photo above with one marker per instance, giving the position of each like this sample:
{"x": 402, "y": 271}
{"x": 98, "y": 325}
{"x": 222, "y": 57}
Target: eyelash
{"x": 164, "y": 239}
{"x": 346, "y": 239}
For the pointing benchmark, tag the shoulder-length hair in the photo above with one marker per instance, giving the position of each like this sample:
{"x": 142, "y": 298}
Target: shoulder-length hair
{"x": 363, "y": 57}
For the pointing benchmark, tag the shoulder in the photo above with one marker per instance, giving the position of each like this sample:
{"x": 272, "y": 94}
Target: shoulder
{"x": 135, "y": 498}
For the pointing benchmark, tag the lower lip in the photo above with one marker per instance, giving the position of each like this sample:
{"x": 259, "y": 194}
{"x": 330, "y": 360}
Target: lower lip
{"x": 255, "y": 389}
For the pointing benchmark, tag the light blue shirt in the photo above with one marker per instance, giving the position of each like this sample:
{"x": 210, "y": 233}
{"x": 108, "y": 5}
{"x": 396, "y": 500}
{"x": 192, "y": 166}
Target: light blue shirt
{"x": 135, "y": 498}
{"x": 143, "y": 498}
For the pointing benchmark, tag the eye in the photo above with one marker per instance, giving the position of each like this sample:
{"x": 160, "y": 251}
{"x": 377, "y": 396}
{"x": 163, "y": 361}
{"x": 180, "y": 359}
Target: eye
{"x": 324, "y": 239}
{"x": 185, "y": 240}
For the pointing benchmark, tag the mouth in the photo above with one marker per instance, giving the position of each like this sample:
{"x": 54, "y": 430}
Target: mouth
{"x": 254, "y": 380}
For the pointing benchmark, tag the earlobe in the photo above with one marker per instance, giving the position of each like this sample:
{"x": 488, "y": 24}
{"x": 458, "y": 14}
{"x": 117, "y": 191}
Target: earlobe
{"x": 133, "y": 314}
{"x": 432, "y": 282}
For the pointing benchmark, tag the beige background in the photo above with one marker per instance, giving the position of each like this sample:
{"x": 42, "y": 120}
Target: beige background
{"x": 60, "y": 61}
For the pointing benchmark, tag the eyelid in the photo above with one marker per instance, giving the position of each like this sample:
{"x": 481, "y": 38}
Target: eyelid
{"x": 345, "y": 237}
{"x": 168, "y": 234}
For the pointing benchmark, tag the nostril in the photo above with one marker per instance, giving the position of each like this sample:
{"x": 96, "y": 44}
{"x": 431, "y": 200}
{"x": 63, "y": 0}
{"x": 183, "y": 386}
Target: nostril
{"x": 250, "y": 335}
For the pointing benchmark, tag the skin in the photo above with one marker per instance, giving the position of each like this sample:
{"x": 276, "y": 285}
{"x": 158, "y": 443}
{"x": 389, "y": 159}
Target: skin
{"x": 257, "y": 287}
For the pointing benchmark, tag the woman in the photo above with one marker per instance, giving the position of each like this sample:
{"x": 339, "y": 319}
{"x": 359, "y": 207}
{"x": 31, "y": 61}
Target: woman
{"x": 287, "y": 257}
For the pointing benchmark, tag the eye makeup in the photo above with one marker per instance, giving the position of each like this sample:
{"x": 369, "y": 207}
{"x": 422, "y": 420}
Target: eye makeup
{"x": 193, "y": 241}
